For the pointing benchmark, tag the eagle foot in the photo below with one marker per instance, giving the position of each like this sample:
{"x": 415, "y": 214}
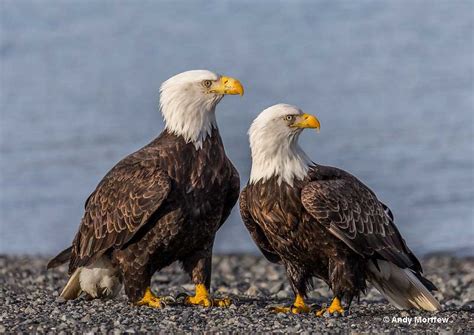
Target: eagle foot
{"x": 202, "y": 298}
{"x": 335, "y": 309}
{"x": 298, "y": 307}
{"x": 291, "y": 309}
{"x": 207, "y": 302}
{"x": 150, "y": 300}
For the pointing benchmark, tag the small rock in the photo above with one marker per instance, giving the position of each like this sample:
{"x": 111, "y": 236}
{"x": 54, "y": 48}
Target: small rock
{"x": 276, "y": 288}
{"x": 188, "y": 287}
{"x": 29, "y": 310}
{"x": 61, "y": 300}
{"x": 282, "y": 295}
{"x": 252, "y": 291}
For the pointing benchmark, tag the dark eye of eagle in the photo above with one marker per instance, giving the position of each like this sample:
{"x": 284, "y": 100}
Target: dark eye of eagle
{"x": 207, "y": 83}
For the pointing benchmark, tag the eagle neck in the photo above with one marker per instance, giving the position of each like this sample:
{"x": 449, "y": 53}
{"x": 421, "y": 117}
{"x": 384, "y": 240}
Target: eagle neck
{"x": 194, "y": 121}
{"x": 284, "y": 160}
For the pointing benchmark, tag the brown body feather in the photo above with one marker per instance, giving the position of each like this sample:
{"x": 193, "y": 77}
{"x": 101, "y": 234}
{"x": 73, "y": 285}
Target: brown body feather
{"x": 330, "y": 226}
{"x": 161, "y": 204}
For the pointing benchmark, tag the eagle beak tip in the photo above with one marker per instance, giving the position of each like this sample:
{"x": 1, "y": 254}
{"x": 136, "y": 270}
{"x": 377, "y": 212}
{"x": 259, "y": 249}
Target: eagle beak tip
{"x": 309, "y": 121}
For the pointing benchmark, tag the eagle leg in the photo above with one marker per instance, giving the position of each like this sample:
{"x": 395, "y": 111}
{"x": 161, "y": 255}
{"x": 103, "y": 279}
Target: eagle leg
{"x": 150, "y": 300}
{"x": 334, "y": 308}
{"x": 199, "y": 266}
{"x": 202, "y": 298}
{"x": 298, "y": 307}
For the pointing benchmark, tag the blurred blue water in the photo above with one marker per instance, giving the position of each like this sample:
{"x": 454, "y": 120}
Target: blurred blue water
{"x": 392, "y": 83}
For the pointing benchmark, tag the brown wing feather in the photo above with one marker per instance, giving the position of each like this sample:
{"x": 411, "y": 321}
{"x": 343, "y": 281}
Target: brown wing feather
{"x": 255, "y": 231}
{"x": 122, "y": 203}
{"x": 232, "y": 193}
{"x": 352, "y": 212}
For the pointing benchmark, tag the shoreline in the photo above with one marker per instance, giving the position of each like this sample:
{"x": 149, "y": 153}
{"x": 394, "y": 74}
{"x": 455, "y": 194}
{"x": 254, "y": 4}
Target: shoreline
{"x": 30, "y": 300}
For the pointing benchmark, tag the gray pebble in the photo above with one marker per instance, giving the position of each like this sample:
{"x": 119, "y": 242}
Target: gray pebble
{"x": 282, "y": 295}
{"x": 29, "y": 302}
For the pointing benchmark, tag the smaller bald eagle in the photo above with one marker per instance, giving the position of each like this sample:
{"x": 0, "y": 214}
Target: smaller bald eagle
{"x": 320, "y": 221}
{"x": 161, "y": 204}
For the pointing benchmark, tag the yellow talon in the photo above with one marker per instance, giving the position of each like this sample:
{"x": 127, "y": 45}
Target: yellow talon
{"x": 150, "y": 300}
{"x": 202, "y": 298}
{"x": 333, "y": 308}
{"x": 224, "y": 302}
{"x": 298, "y": 307}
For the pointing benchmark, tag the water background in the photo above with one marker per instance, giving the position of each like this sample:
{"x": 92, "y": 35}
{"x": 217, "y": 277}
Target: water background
{"x": 391, "y": 82}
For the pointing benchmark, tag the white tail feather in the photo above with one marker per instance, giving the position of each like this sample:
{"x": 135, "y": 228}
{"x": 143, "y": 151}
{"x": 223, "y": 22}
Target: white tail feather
{"x": 401, "y": 287}
{"x": 72, "y": 290}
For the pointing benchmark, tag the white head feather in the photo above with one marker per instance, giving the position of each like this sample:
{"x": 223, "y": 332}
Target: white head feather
{"x": 274, "y": 146}
{"x": 186, "y": 107}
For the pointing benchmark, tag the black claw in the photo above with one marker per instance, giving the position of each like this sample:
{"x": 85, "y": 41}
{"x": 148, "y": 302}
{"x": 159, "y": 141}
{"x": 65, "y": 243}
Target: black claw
{"x": 168, "y": 301}
{"x": 315, "y": 307}
{"x": 181, "y": 297}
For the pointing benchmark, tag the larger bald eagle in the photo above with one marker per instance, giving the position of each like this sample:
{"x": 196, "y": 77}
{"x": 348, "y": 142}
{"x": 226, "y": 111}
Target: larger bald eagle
{"x": 161, "y": 204}
{"x": 322, "y": 222}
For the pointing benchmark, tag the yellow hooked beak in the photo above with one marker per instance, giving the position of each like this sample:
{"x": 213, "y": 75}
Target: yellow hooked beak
{"x": 306, "y": 121}
{"x": 227, "y": 85}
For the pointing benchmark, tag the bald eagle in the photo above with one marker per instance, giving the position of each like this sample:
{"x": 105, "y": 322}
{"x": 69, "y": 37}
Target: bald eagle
{"x": 320, "y": 221}
{"x": 161, "y": 204}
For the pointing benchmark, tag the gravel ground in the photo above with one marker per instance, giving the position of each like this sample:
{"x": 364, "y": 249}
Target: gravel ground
{"x": 29, "y": 302}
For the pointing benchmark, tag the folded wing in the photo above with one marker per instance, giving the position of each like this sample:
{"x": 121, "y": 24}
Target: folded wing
{"x": 122, "y": 203}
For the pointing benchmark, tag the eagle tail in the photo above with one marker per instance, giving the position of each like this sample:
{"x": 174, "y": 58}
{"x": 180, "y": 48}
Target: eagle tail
{"x": 72, "y": 290}
{"x": 402, "y": 287}
{"x": 60, "y": 259}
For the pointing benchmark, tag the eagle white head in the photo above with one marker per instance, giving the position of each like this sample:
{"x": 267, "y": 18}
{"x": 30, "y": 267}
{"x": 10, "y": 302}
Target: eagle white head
{"x": 274, "y": 144}
{"x": 188, "y": 102}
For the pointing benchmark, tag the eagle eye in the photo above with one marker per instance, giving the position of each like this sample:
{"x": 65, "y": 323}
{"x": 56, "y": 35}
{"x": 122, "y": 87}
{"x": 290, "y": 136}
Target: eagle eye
{"x": 207, "y": 83}
{"x": 289, "y": 118}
